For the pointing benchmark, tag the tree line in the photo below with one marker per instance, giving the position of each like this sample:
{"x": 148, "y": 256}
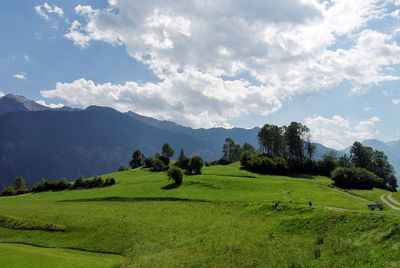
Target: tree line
{"x": 288, "y": 149}
{"x": 19, "y": 185}
{"x": 161, "y": 162}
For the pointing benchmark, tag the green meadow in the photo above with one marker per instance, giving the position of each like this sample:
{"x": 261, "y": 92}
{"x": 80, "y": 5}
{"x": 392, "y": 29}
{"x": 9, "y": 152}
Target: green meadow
{"x": 225, "y": 217}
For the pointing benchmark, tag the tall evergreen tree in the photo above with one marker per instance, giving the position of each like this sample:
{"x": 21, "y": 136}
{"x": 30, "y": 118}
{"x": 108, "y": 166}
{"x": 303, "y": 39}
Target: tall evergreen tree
{"x": 137, "y": 159}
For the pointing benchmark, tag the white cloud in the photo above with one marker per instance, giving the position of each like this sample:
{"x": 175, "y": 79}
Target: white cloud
{"x": 2, "y": 94}
{"x": 27, "y": 58}
{"x": 289, "y": 47}
{"x": 20, "y": 76}
{"x": 396, "y": 101}
{"x": 76, "y": 36}
{"x": 338, "y": 132}
{"x": 83, "y": 10}
{"x": 50, "y": 105}
{"x": 45, "y": 9}
{"x": 189, "y": 98}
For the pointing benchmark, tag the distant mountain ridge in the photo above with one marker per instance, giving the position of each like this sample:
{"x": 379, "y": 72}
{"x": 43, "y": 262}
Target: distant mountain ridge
{"x": 39, "y": 142}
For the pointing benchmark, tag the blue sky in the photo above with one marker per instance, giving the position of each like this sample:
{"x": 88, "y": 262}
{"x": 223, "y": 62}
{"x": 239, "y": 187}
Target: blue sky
{"x": 333, "y": 65}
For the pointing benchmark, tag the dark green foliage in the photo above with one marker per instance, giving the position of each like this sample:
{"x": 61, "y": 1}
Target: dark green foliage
{"x": 137, "y": 159}
{"x": 271, "y": 140}
{"x": 158, "y": 165}
{"x": 263, "y": 164}
{"x": 9, "y": 191}
{"x": 176, "y": 174}
{"x": 328, "y": 163}
{"x": 231, "y": 152}
{"x": 18, "y": 187}
{"x": 44, "y": 186}
{"x": 195, "y": 165}
{"x": 356, "y": 178}
{"x": 164, "y": 159}
{"x": 167, "y": 151}
{"x": 148, "y": 162}
{"x": 80, "y": 183}
{"x": 182, "y": 161}
{"x": 245, "y": 159}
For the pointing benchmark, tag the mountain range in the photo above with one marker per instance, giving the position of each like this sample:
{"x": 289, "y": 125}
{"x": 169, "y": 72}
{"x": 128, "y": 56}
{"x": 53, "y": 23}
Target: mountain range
{"x": 40, "y": 142}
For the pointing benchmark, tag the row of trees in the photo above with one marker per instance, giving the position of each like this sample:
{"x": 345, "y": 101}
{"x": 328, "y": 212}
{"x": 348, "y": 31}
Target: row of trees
{"x": 161, "y": 162}
{"x": 19, "y": 185}
{"x": 290, "y": 150}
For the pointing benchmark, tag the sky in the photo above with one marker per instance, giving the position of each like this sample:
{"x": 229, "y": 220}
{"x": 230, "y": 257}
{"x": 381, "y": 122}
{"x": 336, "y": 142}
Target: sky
{"x": 332, "y": 65}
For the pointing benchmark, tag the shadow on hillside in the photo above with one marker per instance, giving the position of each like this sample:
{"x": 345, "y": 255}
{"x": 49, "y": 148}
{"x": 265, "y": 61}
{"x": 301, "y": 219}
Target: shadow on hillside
{"x": 171, "y": 186}
{"x": 134, "y": 199}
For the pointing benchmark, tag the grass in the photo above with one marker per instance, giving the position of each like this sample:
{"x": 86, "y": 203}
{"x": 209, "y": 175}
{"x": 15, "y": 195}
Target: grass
{"x": 225, "y": 217}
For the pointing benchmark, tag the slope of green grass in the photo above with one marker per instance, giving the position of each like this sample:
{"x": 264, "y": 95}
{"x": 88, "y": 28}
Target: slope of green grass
{"x": 19, "y": 255}
{"x": 225, "y": 217}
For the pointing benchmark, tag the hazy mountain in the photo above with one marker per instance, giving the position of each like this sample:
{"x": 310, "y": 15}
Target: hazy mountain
{"x": 12, "y": 103}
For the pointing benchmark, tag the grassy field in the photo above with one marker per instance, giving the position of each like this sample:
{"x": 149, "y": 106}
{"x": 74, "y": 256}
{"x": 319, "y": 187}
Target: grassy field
{"x": 225, "y": 217}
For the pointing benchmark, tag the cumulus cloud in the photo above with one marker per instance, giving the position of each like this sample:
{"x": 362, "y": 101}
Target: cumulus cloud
{"x": 50, "y": 105}
{"x": 338, "y": 132}
{"x": 396, "y": 101}
{"x": 189, "y": 98}
{"x": 45, "y": 10}
{"x": 287, "y": 47}
{"x": 76, "y": 36}
{"x": 20, "y": 76}
{"x": 2, "y": 94}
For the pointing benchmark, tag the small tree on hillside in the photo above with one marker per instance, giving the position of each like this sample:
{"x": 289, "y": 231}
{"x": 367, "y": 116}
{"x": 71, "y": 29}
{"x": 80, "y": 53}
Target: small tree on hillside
{"x": 137, "y": 159}
{"x": 167, "y": 151}
{"x": 195, "y": 165}
{"x": 19, "y": 185}
{"x": 176, "y": 174}
{"x": 182, "y": 161}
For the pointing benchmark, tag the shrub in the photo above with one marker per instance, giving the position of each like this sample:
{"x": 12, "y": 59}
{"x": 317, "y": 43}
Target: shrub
{"x": 109, "y": 182}
{"x": 195, "y": 165}
{"x": 245, "y": 158}
{"x": 148, "y": 162}
{"x": 176, "y": 174}
{"x": 356, "y": 178}
{"x": 158, "y": 165}
{"x": 9, "y": 191}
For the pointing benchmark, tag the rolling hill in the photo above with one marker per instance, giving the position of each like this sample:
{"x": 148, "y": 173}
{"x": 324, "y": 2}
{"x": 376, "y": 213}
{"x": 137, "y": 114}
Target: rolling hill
{"x": 225, "y": 217}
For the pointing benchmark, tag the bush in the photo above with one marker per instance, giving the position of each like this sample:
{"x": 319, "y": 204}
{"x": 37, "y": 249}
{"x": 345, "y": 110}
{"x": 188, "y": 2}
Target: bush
{"x": 356, "y": 178}
{"x": 9, "y": 191}
{"x": 176, "y": 174}
{"x": 158, "y": 165}
{"x": 195, "y": 165}
{"x": 148, "y": 162}
{"x": 245, "y": 158}
{"x": 164, "y": 159}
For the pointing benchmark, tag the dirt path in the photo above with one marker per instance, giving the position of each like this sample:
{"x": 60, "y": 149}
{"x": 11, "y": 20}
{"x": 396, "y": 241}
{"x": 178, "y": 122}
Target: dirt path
{"x": 384, "y": 200}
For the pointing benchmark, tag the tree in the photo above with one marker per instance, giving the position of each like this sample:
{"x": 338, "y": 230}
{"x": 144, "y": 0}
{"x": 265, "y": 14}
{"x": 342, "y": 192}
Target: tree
{"x": 195, "y": 165}
{"x": 137, "y": 159}
{"x": 344, "y": 161}
{"x": 167, "y": 151}
{"x": 247, "y": 147}
{"x": 182, "y": 161}
{"x": 361, "y": 156}
{"x": 270, "y": 138}
{"x": 158, "y": 165}
{"x": 19, "y": 185}
{"x": 328, "y": 162}
{"x": 295, "y": 135}
{"x": 392, "y": 183}
{"x": 176, "y": 174}
{"x": 228, "y": 151}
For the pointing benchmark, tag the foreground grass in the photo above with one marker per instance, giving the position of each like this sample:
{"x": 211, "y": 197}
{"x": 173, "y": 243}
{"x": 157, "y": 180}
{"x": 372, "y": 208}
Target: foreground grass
{"x": 19, "y": 255}
{"x": 226, "y": 217}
